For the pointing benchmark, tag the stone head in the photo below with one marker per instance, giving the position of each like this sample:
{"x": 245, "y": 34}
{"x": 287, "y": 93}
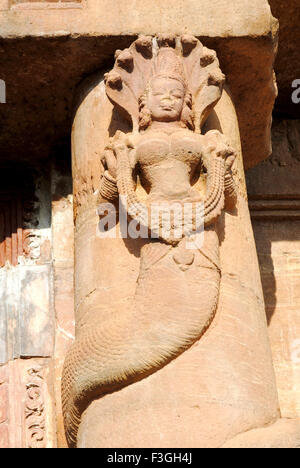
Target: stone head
{"x": 166, "y": 99}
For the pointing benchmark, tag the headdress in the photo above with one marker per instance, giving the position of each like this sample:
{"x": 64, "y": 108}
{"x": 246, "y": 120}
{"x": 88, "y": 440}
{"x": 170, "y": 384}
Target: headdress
{"x": 183, "y": 58}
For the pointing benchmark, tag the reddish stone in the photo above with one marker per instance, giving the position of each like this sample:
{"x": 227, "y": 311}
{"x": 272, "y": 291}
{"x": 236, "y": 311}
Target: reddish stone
{"x": 3, "y": 374}
{"x": 3, "y": 403}
{"x": 4, "y": 439}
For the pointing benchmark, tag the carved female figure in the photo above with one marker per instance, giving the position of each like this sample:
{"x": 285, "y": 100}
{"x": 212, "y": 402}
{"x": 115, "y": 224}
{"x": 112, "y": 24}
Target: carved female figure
{"x": 167, "y": 87}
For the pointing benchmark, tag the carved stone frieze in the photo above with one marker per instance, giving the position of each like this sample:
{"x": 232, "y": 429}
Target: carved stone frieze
{"x": 35, "y": 419}
{"x": 24, "y": 232}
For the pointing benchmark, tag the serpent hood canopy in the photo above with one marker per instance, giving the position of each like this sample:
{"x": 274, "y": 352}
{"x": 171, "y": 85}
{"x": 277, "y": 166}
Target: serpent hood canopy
{"x": 184, "y": 58}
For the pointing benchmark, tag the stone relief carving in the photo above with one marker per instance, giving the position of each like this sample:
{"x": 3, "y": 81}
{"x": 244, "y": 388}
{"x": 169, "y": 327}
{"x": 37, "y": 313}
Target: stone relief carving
{"x": 35, "y": 409}
{"x": 21, "y": 208}
{"x": 18, "y": 244}
{"x": 32, "y": 245}
{"x": 166, "y": 87}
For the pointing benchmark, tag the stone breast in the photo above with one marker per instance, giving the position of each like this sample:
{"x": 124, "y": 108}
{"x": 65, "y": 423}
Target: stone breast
{"x": 156, "y": 147}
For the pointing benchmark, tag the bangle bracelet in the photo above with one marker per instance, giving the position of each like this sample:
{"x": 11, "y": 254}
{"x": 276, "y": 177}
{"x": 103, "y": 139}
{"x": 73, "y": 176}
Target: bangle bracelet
{"x": 108, "y": 187}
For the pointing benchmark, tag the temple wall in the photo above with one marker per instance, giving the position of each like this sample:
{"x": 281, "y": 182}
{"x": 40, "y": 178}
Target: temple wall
{"x": 274, "y": 203}
{"x": 36, "y": 308}
{"x": 218, "y": 17}
{"x": 47, "y": 49}
{"x": 63, "y": 258}
{"x": 274, "y": 198}
{"x": 27, "y": 318}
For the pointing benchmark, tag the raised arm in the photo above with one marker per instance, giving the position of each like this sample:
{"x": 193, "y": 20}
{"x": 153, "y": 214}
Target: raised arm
{"x": 108, "y": 185}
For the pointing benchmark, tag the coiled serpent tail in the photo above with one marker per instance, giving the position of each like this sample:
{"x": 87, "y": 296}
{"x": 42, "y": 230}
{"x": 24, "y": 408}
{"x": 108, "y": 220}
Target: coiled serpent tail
{"x": 134, "y": 342}
{"x": 130, "y": 345}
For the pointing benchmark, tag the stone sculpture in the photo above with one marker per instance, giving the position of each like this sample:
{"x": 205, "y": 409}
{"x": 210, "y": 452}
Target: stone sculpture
{"x": 166, "y": 87}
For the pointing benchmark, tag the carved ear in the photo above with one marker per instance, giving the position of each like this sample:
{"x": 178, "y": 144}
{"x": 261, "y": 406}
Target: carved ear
{"x": 204, "y": 77}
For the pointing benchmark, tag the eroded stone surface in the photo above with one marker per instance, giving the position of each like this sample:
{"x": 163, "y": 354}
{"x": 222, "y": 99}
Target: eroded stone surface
{"x": 287, "y": 63}
{"x": 239, "y": 18}
{"x": 70, "y": 41}
{"x": 234, "y": 394}
{"x": 26, "y": 313}
{"x": 4, "y": 407}
{"x": 63, "y": 256}
{"x": 274, "y": 193}
{"x": 167, "y": 88}
{"x": 284, "y": 434}
{"x": 26, "y": 404}
{"x": 277, "y": 178}
{"x": 57, "y": 49}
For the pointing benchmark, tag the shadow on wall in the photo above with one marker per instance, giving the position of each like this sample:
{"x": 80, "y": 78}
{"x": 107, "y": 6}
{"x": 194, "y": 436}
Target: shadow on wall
{"x": 274, "y": 201}
{"x": 278, "y": 248}
{"x": 61, "y": 170}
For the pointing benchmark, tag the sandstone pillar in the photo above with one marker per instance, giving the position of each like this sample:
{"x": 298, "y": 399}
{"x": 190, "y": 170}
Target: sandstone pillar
{"x": 224, "y": 384}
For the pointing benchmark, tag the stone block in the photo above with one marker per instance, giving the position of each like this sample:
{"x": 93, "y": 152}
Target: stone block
{"x": 285, "y": 433}
{"x": 36, "y": 312}
{"x": 3, "y": 403}
{"x": 63, "y": 230}
{"x": 295, "y": 285}
{"x": 243, "y": 34}
{"x": 3, "y": 374}
{"x": 4, "y": 437}
{"x": 294, "y": 264}
{"x": 277, "y": 290}
{"x": 65, "y": 333}
{"x": 217, "y": 17}
{"x": 276, "y": 182}
{"x": 31, "y": 404}
{"x": 288, "y": 58}
{"x": 26, "y": 313}
{"x": 277, "y": 178}
{"x": 4, "y": 5}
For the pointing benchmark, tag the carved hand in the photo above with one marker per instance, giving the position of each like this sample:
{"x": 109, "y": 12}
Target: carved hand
{"x": 119, "y": 143}
{"x": 109, "y": 161}
{"x": 230, "y": 160}
{"x": 217, "y": 143}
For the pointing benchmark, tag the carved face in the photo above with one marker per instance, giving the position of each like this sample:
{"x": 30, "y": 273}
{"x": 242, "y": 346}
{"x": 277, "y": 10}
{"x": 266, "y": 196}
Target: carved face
{"x": 165, "y": 99}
